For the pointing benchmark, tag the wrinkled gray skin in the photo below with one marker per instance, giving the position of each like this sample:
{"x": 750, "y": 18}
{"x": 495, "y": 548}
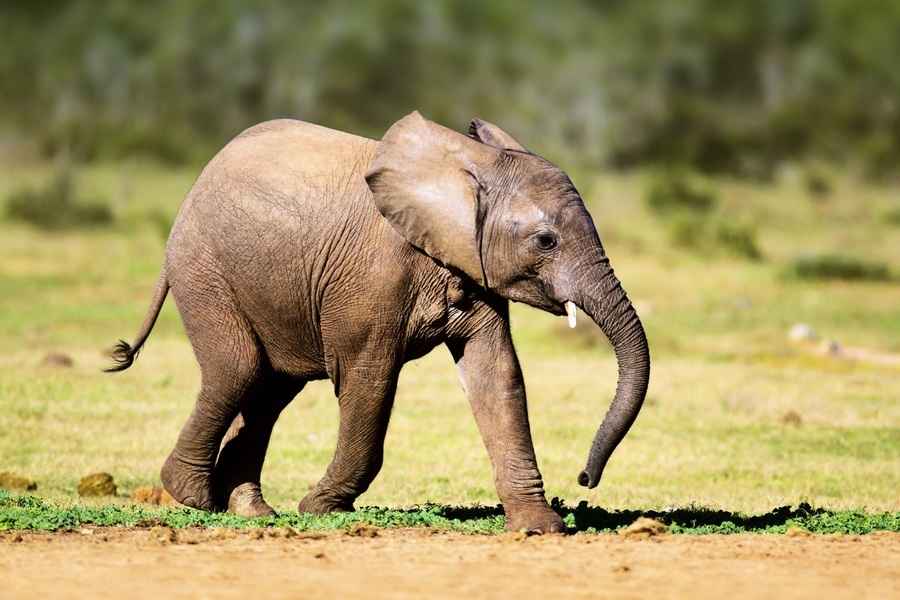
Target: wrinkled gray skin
{"x": 303, "y": 253}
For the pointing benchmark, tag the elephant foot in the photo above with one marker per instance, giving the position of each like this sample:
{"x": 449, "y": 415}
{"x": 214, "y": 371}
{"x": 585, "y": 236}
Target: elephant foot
{"x": 188, "y": 485}
{"x": 320, "y": 504}
{"x": 533, "y": 518}
{"x": 246, "y": 500}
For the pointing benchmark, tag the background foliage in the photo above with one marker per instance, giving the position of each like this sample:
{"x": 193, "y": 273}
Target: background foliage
{"x": 724, "y": 85}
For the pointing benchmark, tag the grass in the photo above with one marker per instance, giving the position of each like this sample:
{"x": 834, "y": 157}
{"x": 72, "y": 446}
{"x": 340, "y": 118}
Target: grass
{"x": 33, "y": 513}
{"x": 713, "y": 432}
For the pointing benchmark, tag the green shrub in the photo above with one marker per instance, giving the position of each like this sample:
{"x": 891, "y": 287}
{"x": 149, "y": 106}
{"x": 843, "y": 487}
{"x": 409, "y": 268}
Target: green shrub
{"x": 738, "y": 239}
{"x": 892, "y": 216}
{"x": 687, "y": 231}
{"x": 817, "y": 182}
{"x": 675, "y": 191}
{"x": 836, "y": 266}
{"x": 57, "y": 206}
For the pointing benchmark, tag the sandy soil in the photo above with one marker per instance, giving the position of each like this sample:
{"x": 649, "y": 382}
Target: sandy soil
{"x": 161, "y": 563}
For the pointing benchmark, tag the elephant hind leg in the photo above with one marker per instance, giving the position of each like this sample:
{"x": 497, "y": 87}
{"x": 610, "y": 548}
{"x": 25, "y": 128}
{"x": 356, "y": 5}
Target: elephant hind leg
{"x": 243, "y": 452}
{"x": 232, "y": 365}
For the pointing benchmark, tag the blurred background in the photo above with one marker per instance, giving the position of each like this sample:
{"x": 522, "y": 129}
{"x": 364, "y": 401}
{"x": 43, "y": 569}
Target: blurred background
{"x": 728, "y": 86}
{"x": 739, "y": 157}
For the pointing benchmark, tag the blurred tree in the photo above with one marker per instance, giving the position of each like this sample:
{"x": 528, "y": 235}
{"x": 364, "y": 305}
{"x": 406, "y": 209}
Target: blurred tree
{"x": 725, "y": 85}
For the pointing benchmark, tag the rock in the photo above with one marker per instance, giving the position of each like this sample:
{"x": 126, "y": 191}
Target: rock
{"x": 644, "y": 528}
{"x": 163, "y": 535}
{"x": 97, "y": 484}
{"x": 792, "y": 417}
{"x": 153, "y": 495}
{"x": 14, "y": 482}
{"x": 801, "y": 332}
{"x": 58, "y": 360}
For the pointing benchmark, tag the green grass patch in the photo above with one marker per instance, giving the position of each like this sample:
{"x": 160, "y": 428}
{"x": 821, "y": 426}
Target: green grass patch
{"x": 838, "y": 266}
{"x": 26, "y": 512}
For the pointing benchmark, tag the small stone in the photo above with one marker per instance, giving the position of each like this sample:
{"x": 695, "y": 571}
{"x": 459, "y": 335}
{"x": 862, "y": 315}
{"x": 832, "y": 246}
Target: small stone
{"x": 152, "y": 495}
{"x": 14, "y": 482}
{"x": 801, "y": 332}
{"x": 97, "y": 484}
{"x": 643, "y": 528}
{"x": 163, "y": 535}
{"x": 57, "y": 360}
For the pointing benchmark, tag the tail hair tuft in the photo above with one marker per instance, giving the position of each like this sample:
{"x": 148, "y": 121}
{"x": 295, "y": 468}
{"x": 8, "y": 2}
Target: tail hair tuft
{"x": 123, "y": 356}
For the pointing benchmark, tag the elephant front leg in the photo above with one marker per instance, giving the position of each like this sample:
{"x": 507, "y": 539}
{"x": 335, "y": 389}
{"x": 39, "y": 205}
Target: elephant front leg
{"x": 365, "y": 400}
{"x": 490, "y": 373}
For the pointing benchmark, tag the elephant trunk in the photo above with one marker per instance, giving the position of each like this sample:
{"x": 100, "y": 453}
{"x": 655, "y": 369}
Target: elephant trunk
{"x": 606, "y": 303}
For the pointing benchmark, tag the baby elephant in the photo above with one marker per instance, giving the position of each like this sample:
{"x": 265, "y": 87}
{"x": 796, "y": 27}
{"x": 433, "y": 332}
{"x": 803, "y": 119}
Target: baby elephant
{"x": 303, "y": 253}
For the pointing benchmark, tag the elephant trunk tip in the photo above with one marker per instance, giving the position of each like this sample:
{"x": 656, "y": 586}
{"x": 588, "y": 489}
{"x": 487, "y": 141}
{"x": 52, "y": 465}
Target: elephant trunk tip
{"x": 589, "y": 477}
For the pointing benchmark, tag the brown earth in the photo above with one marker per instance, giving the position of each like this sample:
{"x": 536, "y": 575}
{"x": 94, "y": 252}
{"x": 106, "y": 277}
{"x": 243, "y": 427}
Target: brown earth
{"x": 162, "y": 563}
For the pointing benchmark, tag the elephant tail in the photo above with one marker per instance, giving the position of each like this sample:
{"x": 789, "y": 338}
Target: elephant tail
{"x": 123, "y": 353}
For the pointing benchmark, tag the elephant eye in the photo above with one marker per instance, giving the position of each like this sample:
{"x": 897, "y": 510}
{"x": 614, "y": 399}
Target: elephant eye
{"x": 546, "y": 241}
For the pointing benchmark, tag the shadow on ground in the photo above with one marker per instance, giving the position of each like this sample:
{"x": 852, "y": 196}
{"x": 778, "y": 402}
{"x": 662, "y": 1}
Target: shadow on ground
{"x": 695, "y": 519}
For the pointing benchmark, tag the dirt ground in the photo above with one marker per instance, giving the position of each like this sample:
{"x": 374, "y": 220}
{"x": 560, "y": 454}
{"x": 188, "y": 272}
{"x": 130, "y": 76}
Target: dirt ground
{"x": 161, "y": 563}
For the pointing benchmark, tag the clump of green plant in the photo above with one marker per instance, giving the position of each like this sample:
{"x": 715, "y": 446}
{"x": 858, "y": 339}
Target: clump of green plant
{"x": 817, "y": 182}
{"x": 737, "y": 238}
{"x": 676, "y": 191}
{"x": 26, "y": 512}
{"x": 838, "y": 266}
{"x": 57, "y": 205}
{"x": 892, "y": 216}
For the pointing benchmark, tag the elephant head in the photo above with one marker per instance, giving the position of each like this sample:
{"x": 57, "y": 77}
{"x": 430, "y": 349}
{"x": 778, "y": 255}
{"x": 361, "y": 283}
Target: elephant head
{"x": 514, "y": 223}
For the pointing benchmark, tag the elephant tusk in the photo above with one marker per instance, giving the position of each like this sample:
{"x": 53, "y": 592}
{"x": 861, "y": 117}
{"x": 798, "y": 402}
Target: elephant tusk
{"x": 570, "y": 313}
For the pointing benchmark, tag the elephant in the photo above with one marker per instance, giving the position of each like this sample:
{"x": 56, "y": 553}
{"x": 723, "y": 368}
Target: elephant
{"x": 304, "y": 253}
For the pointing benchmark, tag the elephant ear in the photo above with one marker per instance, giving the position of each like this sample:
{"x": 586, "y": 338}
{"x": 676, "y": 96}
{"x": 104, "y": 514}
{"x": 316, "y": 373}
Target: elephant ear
{"x": 490, "y": 134}
{"x": 424, "y": 180}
